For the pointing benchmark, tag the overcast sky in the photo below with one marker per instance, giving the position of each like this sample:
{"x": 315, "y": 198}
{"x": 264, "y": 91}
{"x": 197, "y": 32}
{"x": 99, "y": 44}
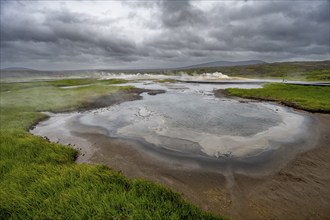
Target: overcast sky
{"x": 145, "y": 34}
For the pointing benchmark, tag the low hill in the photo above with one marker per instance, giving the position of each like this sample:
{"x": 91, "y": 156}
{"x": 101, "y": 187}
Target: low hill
{"x": 305, "y": 71}
{"x": 17, "y": 69}
{"x": 225, "y": 63}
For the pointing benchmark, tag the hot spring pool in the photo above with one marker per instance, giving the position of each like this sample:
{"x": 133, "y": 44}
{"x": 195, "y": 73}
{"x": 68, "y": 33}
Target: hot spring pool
{"x": 187, "y": 123}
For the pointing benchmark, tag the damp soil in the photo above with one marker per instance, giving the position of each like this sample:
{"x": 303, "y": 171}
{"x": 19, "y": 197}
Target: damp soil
{"x": 300, "y": 190}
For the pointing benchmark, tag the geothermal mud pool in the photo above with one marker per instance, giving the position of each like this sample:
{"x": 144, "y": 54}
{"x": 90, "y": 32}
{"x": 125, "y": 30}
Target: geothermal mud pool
{"x": 188, "y": 127}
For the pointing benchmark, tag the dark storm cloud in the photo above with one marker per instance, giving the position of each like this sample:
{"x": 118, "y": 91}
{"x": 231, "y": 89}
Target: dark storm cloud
{"x": 283, "y": 28}
{"x": 278, "y": 27}
{"x": 69, "y": 31}
{"x": 175, "y": 33}
{"x": 180, "y": 13}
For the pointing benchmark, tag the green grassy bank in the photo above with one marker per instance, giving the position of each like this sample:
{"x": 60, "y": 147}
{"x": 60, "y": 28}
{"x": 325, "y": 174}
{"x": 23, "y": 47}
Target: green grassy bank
{"x": 40, "y": 180}
{"x": 310, "y": 98}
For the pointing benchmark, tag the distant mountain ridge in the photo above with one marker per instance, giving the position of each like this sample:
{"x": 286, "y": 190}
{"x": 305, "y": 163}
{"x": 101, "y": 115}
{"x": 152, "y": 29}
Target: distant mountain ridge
{"x": 201, "y": 65}
{"x": 250, "y": 69}
{"x": 225, "y": 63}
{"x": 19, "y": 69}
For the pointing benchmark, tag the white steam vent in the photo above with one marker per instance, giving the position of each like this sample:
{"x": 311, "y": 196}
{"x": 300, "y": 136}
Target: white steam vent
{"x": 215, "y": 75}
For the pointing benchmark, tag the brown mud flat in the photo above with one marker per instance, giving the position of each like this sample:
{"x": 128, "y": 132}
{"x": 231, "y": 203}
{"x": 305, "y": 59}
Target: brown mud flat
{"x": 300, "y": 190}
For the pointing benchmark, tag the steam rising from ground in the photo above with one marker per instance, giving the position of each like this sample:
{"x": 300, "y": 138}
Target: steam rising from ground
{"x": 182, "y": 76}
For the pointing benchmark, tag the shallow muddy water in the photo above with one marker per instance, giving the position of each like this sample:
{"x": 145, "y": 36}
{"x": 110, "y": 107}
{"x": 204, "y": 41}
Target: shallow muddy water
{"x": 188, "y": 125}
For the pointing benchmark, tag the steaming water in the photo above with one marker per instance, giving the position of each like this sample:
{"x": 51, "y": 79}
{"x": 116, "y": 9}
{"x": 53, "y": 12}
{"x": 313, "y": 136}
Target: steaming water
{"x": 189, "y": 122}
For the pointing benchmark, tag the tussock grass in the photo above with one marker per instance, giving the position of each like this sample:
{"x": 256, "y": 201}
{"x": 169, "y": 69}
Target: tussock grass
{"x": 40, "y": 180}
{"x": 310, "y": 98}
